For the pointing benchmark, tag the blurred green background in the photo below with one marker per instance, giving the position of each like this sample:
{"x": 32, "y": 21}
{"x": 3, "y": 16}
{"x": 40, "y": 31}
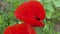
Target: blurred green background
{"x": 52, "y": 20}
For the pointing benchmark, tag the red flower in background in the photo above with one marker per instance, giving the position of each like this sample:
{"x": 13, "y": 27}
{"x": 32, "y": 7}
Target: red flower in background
{"x": 31, "y": 12}
{"x": 19, "y": 29}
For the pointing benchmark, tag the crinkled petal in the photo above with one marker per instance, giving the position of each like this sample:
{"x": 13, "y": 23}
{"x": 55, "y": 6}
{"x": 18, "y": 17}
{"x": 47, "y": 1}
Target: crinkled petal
{"x": 20, "y": 29}
{"x": 30, "y": 21}
{"x": 37, "y": 8}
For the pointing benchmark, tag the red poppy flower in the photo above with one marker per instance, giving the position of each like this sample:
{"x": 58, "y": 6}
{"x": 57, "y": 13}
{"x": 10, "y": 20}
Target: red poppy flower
{"x": 19, "y": 29}
{"x": 31, "y": 12}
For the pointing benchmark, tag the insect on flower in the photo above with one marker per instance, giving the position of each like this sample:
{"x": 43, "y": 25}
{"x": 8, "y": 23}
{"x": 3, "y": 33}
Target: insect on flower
{"x": 19, "y": 29}
{"x": 31, "y": 12}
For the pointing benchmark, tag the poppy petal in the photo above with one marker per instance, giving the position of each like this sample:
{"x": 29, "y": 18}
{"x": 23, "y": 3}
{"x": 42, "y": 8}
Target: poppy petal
{"x": 24, "y": 10}
{"x": 37, "y": 8}
{"x": 30, "y": 21}
{"x": 8, "y": 30}
{"x": 19, "y": 29}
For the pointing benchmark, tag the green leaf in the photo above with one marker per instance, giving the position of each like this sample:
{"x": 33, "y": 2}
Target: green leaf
{"x": 56, "y": 3}
{"x": 47, "y": 1}
{"x": 48, "y": 14}
{"x": 49, "y": 10}
{"x": 2, "y": 12}
{"x": 40, "y": 1}
{"x": 49, "y": 7}
{"x": 11, "y": 15}
{"x": 1, "y": 19}
{"x": 38, "y": 31}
